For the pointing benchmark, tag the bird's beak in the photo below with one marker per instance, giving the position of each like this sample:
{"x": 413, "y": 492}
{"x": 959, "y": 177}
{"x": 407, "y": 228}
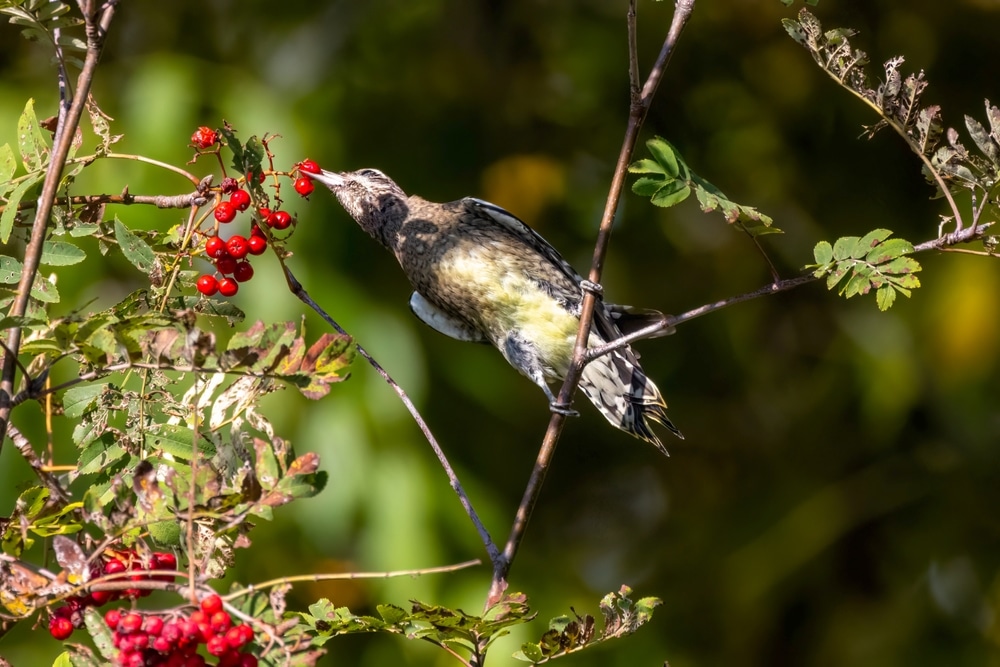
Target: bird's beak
{"x": 330, "y": 179}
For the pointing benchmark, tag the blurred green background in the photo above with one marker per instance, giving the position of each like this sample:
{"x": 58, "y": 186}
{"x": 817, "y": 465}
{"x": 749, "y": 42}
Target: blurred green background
{"x": 836, "y": 500}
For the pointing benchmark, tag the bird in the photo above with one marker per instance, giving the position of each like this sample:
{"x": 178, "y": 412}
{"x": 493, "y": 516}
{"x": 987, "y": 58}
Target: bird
{"x": 480, "y": 274}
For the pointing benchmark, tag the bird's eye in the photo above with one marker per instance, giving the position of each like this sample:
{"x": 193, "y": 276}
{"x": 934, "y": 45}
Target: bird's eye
{"x": 369, "y": 173}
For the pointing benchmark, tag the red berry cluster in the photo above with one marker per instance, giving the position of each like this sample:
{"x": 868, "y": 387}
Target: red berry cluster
{"x": 67, "y": 617}
{"x": 151, "y": 641}
{"x": 232, "y": 264}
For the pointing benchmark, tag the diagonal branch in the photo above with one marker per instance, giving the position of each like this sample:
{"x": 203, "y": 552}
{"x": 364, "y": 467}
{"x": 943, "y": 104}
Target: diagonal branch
{"x": 637, "y": 114}
{"x": 97, "y": 25}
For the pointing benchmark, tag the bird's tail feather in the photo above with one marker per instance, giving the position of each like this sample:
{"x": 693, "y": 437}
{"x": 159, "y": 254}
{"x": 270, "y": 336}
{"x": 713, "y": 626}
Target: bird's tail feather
{"x": 618, "y": 388}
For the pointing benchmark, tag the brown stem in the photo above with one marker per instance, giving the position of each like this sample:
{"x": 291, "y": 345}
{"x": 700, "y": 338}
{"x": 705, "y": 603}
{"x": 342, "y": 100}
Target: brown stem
{"x": 637, "y": 114}
{"x": 97, "y": 28}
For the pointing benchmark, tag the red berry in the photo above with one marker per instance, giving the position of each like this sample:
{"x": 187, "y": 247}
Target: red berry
{"x": 225, "y": 211}
{"x": 256, "y": 244}
{"x": 309, "y": 166}
{"x": 228, "y": 287}
{"x": 204, "y": 137}
{"x": 240, "y": 199}
{"x": 164, "y": 561}
{"x": 229, "y": 184}
{"x": 304, "y": 186}
{"x": 226, "y": 265}
{"x": 211, "y": 604}
{"x": 221, "y": 622}
{"x": 101, "y": 597}
{"x": 114, "y": 566}
{"x": 234, "y": 636}
{"x": 247, "y": 632}
{"x": 279, "y": 220}
{"x": 60, "y": 627}
{"x": 217, "y": 646}
{"x": 130, "y": 623}
{"x": 153, "y": 625}
{"x": 112, "y": 618}
{"x": 172, "y": 632}
{"x": 237, "y": 247}
{"x": 161, "y": 645}
{"x": 215, "y": 247}
{"x": 140, "y": 641}
{"x": 208, "y": 285}
{"x": 248, "y": 660}
{"x": 190, "y": 629}
{"x": 198, "y": 616}
{"x": 243, "y": 272}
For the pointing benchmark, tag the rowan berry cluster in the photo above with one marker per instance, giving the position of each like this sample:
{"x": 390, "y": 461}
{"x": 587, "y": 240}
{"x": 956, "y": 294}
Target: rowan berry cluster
{"x": 151, "y": 640}
{"x": 231, "y": 256}
{"x": 69, "y": 616}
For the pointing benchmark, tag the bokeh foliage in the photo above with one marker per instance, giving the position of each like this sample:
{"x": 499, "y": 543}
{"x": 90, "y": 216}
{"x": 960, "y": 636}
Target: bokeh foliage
{"x": 834, "y": 500}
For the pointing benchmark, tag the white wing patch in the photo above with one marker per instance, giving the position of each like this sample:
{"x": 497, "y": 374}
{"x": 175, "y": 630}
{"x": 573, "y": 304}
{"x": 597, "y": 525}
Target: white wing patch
{"x": 441, "y": 322}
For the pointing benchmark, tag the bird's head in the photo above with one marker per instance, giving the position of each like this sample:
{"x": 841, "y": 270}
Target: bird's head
{"x": 369, "y": 196}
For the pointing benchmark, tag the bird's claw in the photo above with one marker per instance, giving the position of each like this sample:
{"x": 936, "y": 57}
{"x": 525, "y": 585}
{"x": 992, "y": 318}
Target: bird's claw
{"x": 563, "y": 409}
{"x": 594, "y": 288}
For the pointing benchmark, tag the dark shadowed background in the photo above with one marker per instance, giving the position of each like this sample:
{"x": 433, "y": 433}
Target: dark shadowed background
{"x": 835, "y": 502}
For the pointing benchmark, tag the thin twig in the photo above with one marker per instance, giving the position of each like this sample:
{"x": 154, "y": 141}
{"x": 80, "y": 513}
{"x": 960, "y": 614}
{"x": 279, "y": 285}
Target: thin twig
{"x": 28, "y": 452}
{"x": 96, "y": 32}
{"x": 491, "y": 549}
{"x": 637, "y": 114}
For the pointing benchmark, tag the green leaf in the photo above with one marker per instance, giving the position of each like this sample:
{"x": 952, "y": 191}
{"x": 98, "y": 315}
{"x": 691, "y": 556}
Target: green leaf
{"x": 647, "y": 187}
{"x": 900, "y": 265}
{"x": 665, "y": 155}
{"x": 823, "y": 252}
{"x": 889, "y": 250}
{"x": 671, "y": 194}
{"x": 859, "y": 283}
{"x": 176, "y": 440}
{"x": 44, "y": 290}
{"x": 10, "y": 208}
{"x": 34, "y": 148}
{"x": 844, "y": 247}
{"x": 10, "y": 270}
{"x": 8, "y": 165}
{"x": 134, "y": 248}
{"x": 76, "y": 400}
{"x": 100, "y": 632}
{"x": 99, "y": 454}
{"x": 646, "y": 166}
{"x": 870, "y": 240}
{"x": 885, "y": 297}
{"x": 391, "y": 614}
{"x": 60, "y": 253}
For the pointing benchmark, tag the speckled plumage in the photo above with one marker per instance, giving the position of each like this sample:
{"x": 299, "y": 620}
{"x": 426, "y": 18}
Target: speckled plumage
{"x": 482, "y": 275}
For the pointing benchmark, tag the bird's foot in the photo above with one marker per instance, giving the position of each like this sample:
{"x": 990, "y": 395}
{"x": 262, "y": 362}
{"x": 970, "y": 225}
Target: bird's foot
{"x": 594, "y": 288}
{"x": 563, "y": 409}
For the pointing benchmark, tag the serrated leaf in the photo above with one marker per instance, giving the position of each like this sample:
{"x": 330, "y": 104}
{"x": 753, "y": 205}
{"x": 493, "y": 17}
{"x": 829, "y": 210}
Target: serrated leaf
{"x": 76, "y": 400}
{"x": 134, "y": 248}
{"x": 859, "y": 283}
{"x": 44, "y": 290}
{"x": 665, "y": 155}
{"x": 60, "y": 253}
{"x": 100, "y": 632}
{"x": 900, "y": 265}
{"x": 885, "y": 297}
{"x": 864, "y": 245}
{"x": 823, "y": 252}
{"x": 844, "y": 247}
{"x": 10, "y": 270}
{"x": 906, "y": 281}
{"x": 177, "y": 441}
{"x": 646, "y": 186}
{"x": 671, "y": 194}
{"x": 34, "y": 149}
{"x": 646, "y": 166}
{"x": 835, "y": 276}
{"x": 99, "y": 454}
{"x": 889, "y": 250}
{"x": 986, "y": 145}
{"x": 10, "y": 208}
{"x": 8, "y": 164}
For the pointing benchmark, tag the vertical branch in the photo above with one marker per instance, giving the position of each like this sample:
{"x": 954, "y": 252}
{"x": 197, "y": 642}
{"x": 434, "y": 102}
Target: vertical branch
{"x": 97, "y": 24}
{"x": 637, "y": 114}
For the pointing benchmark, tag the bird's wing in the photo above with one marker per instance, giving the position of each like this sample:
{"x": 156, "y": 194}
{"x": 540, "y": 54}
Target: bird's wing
{"x": 442, "y": 322}
{"x": 532, "y": 238}
{"x": 604, "y": 321}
